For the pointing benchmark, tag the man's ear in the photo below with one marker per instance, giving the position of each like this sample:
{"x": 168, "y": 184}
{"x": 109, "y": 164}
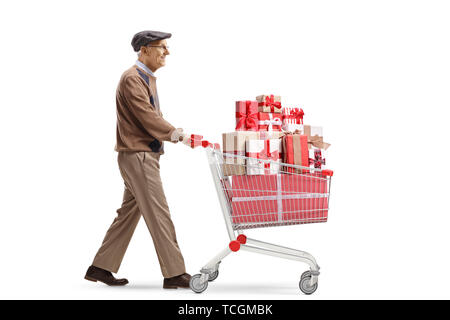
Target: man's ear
{"x": 144, "y": 50}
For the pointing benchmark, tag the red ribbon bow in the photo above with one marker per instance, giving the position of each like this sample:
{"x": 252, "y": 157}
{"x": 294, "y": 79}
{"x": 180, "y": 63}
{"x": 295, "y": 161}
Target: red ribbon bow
{"x": 267, "y": 155}
{"x": 297, "y": 115}
{"x": 272, "y": 104}
{"x": 247, "y": 120}
{"x": 318, "y": 161}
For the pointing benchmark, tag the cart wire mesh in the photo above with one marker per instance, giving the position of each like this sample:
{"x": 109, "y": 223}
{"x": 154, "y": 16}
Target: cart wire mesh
{"x": 265, "y": 193}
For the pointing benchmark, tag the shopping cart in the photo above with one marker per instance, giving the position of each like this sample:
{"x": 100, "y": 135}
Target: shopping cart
{"x": 293, "y": 195}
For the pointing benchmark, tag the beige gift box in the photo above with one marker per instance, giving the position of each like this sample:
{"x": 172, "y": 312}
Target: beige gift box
{"x": 315, "y": 137}
{"x": 262, "y": 99}
{"x": 311, "y": 131}
{"x": 315, "y": 142}
{"x": 234, "y": 143}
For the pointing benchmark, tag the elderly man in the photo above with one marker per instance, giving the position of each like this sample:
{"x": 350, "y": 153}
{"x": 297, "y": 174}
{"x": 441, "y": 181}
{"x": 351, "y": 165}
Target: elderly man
{"x": 141, "y": 130}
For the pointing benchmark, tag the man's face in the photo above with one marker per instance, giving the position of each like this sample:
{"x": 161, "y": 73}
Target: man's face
{"x": 154, "y": 54}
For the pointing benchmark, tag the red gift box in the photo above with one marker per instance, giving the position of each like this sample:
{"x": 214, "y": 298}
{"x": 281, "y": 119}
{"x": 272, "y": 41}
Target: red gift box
{"x": 312, "y": 210}
{"x": 310, "y": 203}
{"x": 246, "y": 116}
{"x": 293, "y": 115}
{"x": 295, "y": 151}
{"x": 279, "y": 198}
{"x": 269, "y": 121}
{"x": 293, "y": 119}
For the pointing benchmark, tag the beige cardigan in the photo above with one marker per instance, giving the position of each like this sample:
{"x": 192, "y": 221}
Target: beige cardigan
{"x": 140, "y": 124}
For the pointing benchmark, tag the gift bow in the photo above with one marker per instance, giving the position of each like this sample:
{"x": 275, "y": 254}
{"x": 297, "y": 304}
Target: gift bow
{"x": 313, "y": 141}
{"x": 297, "y": 115}
{"x": 285, "y": 133}
{"x": 317, "y": 142}
{"x": 247, "y": 120}
{"x": 265, "y": 154}
{"x": 271, "y": 103}
{"x": 271, "y": 122}
{"x": 318, "y": 161}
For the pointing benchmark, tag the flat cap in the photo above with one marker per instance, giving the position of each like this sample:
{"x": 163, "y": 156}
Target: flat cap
{"x": 143, "y": 38}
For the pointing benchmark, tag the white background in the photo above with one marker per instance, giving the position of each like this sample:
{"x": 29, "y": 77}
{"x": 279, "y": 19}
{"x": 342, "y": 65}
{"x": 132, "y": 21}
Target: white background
{"x": 374, "y": 74}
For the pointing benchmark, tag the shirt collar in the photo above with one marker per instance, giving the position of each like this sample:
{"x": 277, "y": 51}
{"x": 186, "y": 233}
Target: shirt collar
{"x": 145, "y": 68}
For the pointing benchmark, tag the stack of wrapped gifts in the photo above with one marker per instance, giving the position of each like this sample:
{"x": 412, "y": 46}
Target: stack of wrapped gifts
{"x": 268, "y": 190}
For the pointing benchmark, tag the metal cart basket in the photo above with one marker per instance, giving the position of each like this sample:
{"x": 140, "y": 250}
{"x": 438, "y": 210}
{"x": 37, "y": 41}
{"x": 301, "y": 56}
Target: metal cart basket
{"x": 256, "y": 193}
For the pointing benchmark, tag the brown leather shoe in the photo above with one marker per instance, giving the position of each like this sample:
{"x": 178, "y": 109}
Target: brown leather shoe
{"x": 181, "y": 281}
{"x": 97, "y": 274}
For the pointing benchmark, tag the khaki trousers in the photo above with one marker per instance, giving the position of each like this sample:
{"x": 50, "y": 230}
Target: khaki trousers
{"x": 144, "y": 195}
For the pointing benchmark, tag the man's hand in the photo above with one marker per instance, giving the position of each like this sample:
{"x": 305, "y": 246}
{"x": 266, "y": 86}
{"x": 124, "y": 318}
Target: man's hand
{"x": 187, "y": 140}
{"x": 177, "y": 135}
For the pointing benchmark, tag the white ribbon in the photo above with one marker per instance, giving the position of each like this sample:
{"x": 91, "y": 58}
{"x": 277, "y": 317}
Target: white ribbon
{"x": 271, "y": 122}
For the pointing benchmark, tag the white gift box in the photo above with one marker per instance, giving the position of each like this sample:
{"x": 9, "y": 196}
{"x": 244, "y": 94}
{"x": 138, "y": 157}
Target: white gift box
{"x": 292, "y": 127}
{"x": 291, "y": 123}
{"x": 266, "y": 150}
{"x": 312, "y": 131}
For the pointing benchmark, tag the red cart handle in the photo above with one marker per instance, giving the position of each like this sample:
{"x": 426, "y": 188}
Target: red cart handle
{"x": 196, "y": 140}
{"x": 327, "y": 173}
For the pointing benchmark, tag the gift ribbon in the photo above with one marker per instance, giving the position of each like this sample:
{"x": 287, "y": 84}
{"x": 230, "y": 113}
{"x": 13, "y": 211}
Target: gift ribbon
{"x": 295, "y": 148}
{"x": 270, "y": 123}
{"x": 312, "y": 130}
{"x": 274, "y": 155}
{"x": 296, "y": 131}
{"x": 265, "y": 154}
{"x": 293, "y": 116}
{"x": 318, "y": 161}
{"x": 270, "y": 102}
{"x": 317, "y": 141}
{"x": 297, "y": 115}
{"x": 247, "y": 120}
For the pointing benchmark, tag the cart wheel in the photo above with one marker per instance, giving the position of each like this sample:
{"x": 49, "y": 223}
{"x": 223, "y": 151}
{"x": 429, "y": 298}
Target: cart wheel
{"x": 306, "y": 274}
{"x": 213, "y": 276}
{"x": 196, "y": 285}
{"x": 305, "y": 287}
